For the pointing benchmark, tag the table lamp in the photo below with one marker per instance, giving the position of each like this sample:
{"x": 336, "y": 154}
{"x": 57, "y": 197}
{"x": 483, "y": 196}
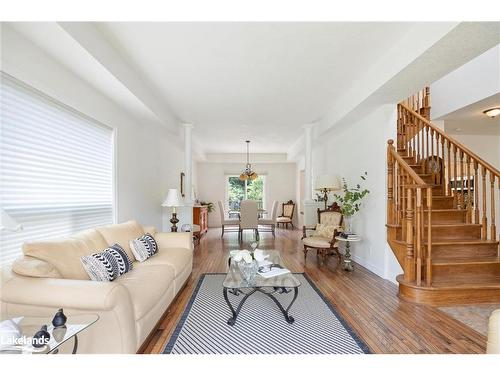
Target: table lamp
{"x": 326, "y": 183}
{"x": 173, "y": 200}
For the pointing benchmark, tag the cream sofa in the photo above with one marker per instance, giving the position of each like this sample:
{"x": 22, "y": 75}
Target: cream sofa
{"x": 50, "y": 276}
{"x": 494, "y": 333}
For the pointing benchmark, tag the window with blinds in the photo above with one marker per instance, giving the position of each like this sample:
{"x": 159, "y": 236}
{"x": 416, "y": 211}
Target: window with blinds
{"x": 56, "y": 168}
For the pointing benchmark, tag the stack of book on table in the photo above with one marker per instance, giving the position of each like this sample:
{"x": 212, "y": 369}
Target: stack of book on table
{"x": 267, "y": 269}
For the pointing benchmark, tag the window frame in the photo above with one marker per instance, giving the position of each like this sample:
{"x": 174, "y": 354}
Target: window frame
{"x": 89, "y": 120}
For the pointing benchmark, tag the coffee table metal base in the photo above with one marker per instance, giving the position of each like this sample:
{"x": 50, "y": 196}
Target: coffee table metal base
{"x": 236, "y": 291}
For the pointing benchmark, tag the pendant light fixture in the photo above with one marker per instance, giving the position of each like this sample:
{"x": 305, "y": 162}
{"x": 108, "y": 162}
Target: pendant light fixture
{"x": 248, "y": 174}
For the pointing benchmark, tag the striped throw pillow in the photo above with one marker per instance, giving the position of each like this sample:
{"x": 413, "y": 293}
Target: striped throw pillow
{"x": 144, "y": 247}
{"x": 108, "y": 264}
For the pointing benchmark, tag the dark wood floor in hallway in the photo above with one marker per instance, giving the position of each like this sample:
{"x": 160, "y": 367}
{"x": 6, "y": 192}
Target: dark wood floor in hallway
{"x": 367, "y": 302}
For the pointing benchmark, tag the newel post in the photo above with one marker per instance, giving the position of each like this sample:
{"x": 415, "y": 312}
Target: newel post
{"x": 390, "y": 183}
{"x": 409, "y": 274}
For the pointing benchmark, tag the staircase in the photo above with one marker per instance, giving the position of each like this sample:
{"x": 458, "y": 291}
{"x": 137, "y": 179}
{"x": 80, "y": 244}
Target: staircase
{"x": 441, "y": 213}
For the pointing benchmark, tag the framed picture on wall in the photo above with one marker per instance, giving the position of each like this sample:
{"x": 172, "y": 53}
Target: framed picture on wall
{"x": 182, "y": 184}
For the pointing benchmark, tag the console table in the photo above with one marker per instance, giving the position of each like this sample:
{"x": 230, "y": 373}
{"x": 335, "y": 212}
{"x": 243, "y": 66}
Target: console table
{"x": 200, "y": 217}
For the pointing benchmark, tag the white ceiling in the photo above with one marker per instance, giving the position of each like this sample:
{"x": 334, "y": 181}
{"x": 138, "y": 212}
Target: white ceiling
{"x": 257, "y": 81}
{"x": 472, "y": 120}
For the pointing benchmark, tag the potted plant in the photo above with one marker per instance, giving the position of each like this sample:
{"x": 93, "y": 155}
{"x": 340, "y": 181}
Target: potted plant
{"x": 350, "y": 201}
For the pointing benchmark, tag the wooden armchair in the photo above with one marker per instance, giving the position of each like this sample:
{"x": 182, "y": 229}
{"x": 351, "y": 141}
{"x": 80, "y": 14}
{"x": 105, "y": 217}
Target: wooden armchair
{"x": 322, "y": 236}
{"x": 287, "y": 214}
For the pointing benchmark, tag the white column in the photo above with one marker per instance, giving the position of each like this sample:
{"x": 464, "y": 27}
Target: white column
{"x": 308, "y": 162}
{"x": 188, "y": 160}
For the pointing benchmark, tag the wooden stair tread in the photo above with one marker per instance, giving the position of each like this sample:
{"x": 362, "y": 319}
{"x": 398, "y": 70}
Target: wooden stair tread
{"x": 462, "y": 210}
{"x": 447, "y": 225}
{"x": 452, "y": 242}
{"x": 480, "y": 283}
{"x": 466, "y": 261}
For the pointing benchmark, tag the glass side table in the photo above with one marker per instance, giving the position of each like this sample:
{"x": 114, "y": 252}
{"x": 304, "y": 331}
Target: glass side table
{"x": 347, "y": 265}
{"x": 58, "y": 336}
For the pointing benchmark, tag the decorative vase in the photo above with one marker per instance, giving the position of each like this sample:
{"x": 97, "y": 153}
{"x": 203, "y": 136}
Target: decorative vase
{"x": 348, "y": 224}
{"x": 41, "y": 338}
{"x": 248, "y": 270}
{"x": 59, "y": 319}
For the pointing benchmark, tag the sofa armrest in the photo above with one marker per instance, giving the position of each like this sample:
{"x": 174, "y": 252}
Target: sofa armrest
{"x": 75, "y": 294}
{"x": 179, "y": 240}
{"x": 493, "y": 345}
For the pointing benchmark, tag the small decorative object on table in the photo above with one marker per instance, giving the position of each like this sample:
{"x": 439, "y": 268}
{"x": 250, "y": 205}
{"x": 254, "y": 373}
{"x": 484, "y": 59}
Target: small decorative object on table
{"x": 41, "y": 338}
{"x": 59, "y": 319}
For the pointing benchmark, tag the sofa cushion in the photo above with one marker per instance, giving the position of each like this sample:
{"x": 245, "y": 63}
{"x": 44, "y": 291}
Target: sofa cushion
{"x": 144, "y": 247}
{"x": 108, "y": 264}
{"x": 63, "y": 254}
{"x": 122, "y": 234}
{"x": 92, "y": 238}
{"x": 33, "y": 267}
{"x": 149, "y": 229}
{"x": 177, "y": 258}
{"x": 320, "y": 242}
{"x": 146, "y": 285}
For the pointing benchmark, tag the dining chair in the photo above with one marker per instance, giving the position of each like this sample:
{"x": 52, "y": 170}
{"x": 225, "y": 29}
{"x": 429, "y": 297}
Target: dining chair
{"x": 249, "y": 217}
{"x": 227, "y": 222}
{"x": 270, "y": 223}
{"x": 287, "y": 214}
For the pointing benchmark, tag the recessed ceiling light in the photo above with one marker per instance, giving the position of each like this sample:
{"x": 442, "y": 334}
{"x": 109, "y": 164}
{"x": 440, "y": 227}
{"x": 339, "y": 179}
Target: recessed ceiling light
{"x": 492, "y": 112}
{"x": 458, "y": 129}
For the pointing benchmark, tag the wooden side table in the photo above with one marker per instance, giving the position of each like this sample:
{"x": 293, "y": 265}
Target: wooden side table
{"x": 347, "y": 266}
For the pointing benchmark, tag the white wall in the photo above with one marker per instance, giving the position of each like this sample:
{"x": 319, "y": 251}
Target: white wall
{"x": 472, "y": 82}
{"x": 350, "y": 152}
{"x": 280, "y": 183}
{"x": 148, "y": 159}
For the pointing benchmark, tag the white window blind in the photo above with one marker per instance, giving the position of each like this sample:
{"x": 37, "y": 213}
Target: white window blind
{"x": 56, "y": 168}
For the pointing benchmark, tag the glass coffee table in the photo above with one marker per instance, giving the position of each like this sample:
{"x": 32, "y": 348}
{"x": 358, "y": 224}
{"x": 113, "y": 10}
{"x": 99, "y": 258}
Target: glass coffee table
{"x": 235, "y": 284}
{"x": 30, "y": 325}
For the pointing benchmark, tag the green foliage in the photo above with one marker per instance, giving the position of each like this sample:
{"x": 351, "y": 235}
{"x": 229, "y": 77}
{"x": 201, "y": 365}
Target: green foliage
{"x": 236, "y": 191}
{"x": 255, "y": 189}
{"x": 210, "y": 206}
{"x": 350, "y": 201}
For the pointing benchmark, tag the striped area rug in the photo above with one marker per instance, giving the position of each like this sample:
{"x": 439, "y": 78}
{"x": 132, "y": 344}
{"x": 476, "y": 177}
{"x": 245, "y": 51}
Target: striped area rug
{"x": 261, "y": 327}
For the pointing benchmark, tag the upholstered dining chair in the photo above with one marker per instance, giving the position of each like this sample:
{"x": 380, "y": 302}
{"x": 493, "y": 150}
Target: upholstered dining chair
{"x": 270, "y": 224}
{"x": 322, "y": 236}
{"x": 249, "y": 217}
{"x": 233, "y": 224}
{"x": 286, "y": 216}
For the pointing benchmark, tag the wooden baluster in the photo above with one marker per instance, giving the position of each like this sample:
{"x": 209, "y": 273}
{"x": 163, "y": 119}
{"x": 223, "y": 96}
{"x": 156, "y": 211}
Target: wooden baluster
{"x": 462, "y": 181}
{"x": 493, "y": 231}
{"x": 431, "y": 156}
{"x": 455, "y": 177}
{"x": 418, "y": 236}
{"x": 429, "y": 236}
{"x": 409, "y": 274}
{"x": 470, "y": 196}
{"x": 418, "y": 141}
{"x": 390, "y": 183}
{"x": 476, "y": 193}
{"x": 448, "y": 174}
{"x": 441, "y": 175}
{"x": 426, "y": 158}
{"x": 484, "y": 228}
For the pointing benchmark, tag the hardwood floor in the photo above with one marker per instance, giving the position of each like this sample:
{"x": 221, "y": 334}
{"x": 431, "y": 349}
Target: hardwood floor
{"x": 367, "y": 302}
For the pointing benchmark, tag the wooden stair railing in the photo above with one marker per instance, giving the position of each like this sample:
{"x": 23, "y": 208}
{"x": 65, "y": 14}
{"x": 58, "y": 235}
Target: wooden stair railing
{"x": 468, "y": 178}
{"x": 406, "y": 193}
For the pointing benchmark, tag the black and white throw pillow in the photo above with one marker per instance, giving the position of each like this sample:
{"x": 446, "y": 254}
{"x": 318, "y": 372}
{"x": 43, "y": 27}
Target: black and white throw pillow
{"x": 108, "y": 264}
{"x": 144, "y": 247}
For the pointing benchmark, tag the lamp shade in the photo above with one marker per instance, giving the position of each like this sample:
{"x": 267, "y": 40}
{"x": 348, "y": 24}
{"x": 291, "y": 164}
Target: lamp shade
{"x": 7, "y": 223}
{"x": 173, "y": 199}
{"x": 327, "y": 181}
